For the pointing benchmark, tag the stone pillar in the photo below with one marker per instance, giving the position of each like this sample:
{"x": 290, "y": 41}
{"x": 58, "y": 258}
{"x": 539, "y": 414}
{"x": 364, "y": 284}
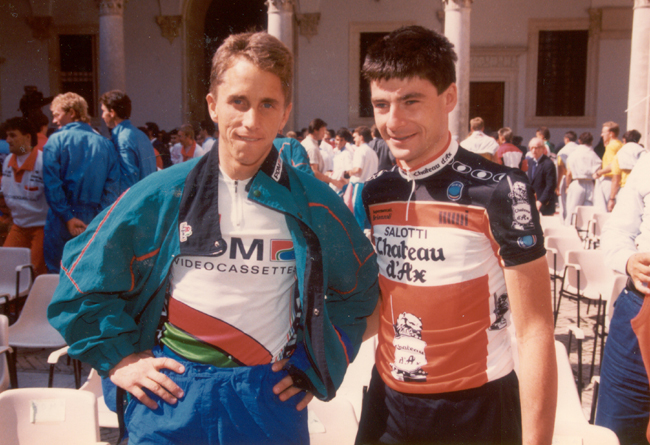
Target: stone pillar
{"x": 638, "y": 102}
{"x": 457, "y": 27}
{"x": 280, "y": 15}
{"x": 112, "y": 65}
{"x": 280, "y": 25}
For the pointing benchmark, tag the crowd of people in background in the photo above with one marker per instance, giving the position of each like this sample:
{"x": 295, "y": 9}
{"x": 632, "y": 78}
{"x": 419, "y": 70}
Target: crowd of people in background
{"x": 68, "y": 174}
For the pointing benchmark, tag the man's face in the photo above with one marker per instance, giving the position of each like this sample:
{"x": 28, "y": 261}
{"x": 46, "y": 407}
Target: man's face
{"x": 339, "y": 142}
{"x": 358, "y": 140}
{"x": 607, "y": 135}
{"x": 184, "y": 139}
{"x": 109, "y": 117}
{"x": 174, "y": 139}
{"x": 250, "y": 110}
{"x": 539, "y": 135}
{"x": 62, "y": 118}
{"x": 19, "y": 144}
{"x": 412, "y": 117}
{"x": 537, "y": 150}
{"x": 320, "y": 133}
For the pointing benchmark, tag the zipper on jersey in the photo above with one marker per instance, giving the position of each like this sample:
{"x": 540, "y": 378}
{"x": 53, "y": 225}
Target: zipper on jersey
{"x": 238, "y": 206}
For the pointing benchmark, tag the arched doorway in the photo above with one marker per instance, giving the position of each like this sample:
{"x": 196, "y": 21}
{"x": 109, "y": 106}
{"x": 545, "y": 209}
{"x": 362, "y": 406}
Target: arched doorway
{"x": 208, "y": 24}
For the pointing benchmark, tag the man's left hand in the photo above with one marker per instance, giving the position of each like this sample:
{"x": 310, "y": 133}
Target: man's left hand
{"x": 539, "y": 205}
{"x": 284, "y": 389}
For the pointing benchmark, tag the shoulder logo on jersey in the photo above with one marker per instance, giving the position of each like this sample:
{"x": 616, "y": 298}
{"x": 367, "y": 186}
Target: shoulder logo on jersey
{"x": 409, "y": 349}
{"x": 282, "y": 250}
{"x": 526, "y": 242}
{"x": 461, "y": 168}
{"x": 521, "y": 213}
{"x": 185, "y": 231}
{"x": 455, "y": 190}
{"x": 481, "y": 174}
{"x": 501, "y": 307}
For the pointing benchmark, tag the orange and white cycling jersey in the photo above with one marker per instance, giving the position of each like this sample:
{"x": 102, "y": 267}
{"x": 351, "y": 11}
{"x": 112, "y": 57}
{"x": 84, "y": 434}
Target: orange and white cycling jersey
{"x": 443, "y": 232}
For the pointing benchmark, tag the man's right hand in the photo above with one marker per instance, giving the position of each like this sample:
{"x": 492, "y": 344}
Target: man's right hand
{"x": 76, "y": 226}
{"x": 638, "y": 267}
{"x": 142, "y": 370}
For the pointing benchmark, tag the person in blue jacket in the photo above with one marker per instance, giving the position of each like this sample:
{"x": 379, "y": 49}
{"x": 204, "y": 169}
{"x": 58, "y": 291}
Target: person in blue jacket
{"x": 81, "y": 175}
{"x": 137, "y": 158}
{"x": 256, "y": 273}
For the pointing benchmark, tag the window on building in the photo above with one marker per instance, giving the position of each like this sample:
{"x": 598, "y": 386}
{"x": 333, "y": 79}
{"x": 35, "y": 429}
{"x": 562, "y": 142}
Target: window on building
{"x": 366, "y": 40}
{"x": 77, "y": 73}
{"x": 487, "y": 100}
{"x": 562, "y": 73}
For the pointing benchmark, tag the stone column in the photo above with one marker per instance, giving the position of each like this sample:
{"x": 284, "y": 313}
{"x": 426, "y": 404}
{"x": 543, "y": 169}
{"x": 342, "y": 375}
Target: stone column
{"x": 638, "y": 102}
{"x": 112, "y": 65}
{"x": 457, "y": 27}
{"x": 280, "y": 15}
{"x": 280, "y": 25}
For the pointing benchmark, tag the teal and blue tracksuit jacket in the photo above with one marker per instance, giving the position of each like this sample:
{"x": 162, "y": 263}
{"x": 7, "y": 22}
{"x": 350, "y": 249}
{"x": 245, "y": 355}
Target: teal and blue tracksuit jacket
{"x": 114, "y": 276}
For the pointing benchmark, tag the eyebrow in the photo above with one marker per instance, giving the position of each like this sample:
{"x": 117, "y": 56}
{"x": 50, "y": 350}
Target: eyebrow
{"x": 410, "y": 96}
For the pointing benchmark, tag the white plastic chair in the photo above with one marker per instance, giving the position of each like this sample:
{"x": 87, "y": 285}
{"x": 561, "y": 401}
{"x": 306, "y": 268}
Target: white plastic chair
{"x": 332, "y": 422}
{"x": 556, "y": 251}
{"x": 564, "y": 231}
{"x": 107, "y": 418}
{"x": 4, "y": 350}
{"x": 16, "y": 273}
{"x": 32, "y": 329}
{"x": 550, "y": 221}
{"x": 48, "y": 416}
{"x": 588, "y": 278}
{"x": 596, "y": 228}
{"x": 581, "y": 217}
{"x": 571, "y": 426}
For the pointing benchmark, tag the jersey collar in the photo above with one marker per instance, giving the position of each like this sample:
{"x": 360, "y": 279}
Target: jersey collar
{"x": 432, "y": 166}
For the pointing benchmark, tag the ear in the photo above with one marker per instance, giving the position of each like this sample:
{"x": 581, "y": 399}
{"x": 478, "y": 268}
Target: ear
{"x": 451, "y": 97}
{"x": 212, "y": 107}
{"x": 285, "y": 116}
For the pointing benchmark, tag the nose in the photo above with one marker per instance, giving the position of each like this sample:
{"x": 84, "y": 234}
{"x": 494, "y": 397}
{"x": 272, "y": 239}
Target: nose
{"x": 395, "y": 119}
{"x": 251, "y": 117}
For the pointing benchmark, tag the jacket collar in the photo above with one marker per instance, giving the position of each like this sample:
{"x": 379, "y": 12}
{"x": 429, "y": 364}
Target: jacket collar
{"x": 199, "y": 222}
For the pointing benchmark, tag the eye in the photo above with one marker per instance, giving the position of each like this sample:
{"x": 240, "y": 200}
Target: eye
{"x": 267, "y": 105}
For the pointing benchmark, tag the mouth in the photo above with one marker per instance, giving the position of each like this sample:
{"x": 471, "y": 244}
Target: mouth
{"x": 248, "y": 138}
{"x": 400, "y": 139}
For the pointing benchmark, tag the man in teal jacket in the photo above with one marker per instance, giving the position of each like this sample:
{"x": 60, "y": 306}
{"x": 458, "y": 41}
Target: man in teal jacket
{"x": 263, "y": 275}
{"x": 81, "y": 174}
{"x": 137, "y": 158}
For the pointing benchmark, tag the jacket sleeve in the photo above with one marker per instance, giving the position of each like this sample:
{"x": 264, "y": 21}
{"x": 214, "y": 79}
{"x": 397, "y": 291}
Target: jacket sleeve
{"x": 112, "y": 185}
{"x": 623, "y": 226}
{"x": 129, "y": 163}
{"x": 550, "y": 181}
{"x": 110, "y": 295}
{"x": 54, "y": 193}
{"x": 352, "y": 281}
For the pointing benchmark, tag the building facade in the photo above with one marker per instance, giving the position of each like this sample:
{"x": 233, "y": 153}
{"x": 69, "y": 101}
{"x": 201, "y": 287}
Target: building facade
{"x": 523, "y": 64}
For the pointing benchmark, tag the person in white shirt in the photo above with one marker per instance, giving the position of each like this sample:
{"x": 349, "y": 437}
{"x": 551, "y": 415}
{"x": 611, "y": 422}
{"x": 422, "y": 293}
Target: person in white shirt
{"x": 206, "y": 138}
{"x": 581, "y": 164}
{"x": 624, "y": 401}
{"x": 187, "y": 141}
{"x": 175, "y": 150}
{"x": 24, "y": 190}
{"x": 570, "y": 145}
{"x": 364, "y": 165}
{"x": 311, "y": 142}
{"x": 479, "y": 142}
{"x": 342, "y": 162}
{"x": 623, "y": 163}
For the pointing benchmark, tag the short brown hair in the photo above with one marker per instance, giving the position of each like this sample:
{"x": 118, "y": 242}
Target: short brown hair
{"x": 506, "y": 134}
{"x": 412, "y": 51}
{"x": 613, "y": 127}
{"x": 188, "y": 130}
{"x": 262, "y": 50}
{"x": 72, "y": 101}
{"x": 117, "y": 101}
{"x": 477, "y": 124}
